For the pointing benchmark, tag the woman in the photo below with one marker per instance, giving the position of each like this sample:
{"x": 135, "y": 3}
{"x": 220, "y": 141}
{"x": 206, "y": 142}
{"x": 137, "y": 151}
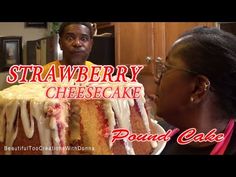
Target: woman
{"x": 197, "y": 89}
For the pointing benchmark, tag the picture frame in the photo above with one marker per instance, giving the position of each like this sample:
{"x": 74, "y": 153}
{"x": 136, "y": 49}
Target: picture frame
{"x": 36, "y": 24}
{"x": 11, "y": 47}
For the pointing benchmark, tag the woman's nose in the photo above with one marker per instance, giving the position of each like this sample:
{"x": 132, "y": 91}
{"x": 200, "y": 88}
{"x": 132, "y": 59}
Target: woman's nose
{"x": 157, "y": 81}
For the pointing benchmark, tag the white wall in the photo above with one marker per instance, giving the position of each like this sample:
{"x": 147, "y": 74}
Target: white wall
{"x": 19, "y": 29}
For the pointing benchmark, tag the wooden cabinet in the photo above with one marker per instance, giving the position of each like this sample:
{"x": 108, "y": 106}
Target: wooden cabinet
{"x": 172, "y": 30}
{"x": 142, "y": 42}
{"x": 134, "y": 44}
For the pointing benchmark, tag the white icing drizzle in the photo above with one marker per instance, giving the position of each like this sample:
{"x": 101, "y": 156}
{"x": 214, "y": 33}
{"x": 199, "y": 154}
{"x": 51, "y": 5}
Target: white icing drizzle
{"x": 14, "y": 99}
{"x": 121, "y": 109}
{"x": 44, "y": 133}
{"x": 11, "y": 130}
{"x": 144, "y": 115}
{"x": 27, "y": 121}
{"x": 58, "y": 114}
{"x": 122, "y": 112}
{"x": 111, "y": 119}
{"x": 52, "y": 114}
{"x": 2, "y": 121}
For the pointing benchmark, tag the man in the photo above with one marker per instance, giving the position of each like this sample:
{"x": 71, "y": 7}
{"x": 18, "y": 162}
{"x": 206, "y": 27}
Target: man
{"x": 76, "y": 41}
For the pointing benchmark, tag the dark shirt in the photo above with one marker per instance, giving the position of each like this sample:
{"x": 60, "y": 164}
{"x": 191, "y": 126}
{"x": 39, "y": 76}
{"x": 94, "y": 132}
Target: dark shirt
{"x": 173, "y": 148}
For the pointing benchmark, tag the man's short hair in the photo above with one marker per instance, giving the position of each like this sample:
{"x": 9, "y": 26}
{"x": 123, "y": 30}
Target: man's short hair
{"x": 65, "y": 24}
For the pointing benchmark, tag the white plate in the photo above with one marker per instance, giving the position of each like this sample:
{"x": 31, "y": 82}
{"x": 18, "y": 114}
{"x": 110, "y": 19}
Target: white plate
{"x": 160, "y": 144}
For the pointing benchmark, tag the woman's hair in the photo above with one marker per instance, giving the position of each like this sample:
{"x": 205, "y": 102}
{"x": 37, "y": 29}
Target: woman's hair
{"x": 211, "y": 52}
{"x": 65, "y": 24}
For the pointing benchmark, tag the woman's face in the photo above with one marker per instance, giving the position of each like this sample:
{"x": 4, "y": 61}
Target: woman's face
{"x": 174, "y": 91}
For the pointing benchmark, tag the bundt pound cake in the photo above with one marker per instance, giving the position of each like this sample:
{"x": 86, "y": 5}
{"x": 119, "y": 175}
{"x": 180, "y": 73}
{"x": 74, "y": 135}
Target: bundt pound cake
{"x": 31, "y": 123}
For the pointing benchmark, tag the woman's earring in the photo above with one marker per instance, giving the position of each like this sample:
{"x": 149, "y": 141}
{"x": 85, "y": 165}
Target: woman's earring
{"x": 206, "y": 86}
{"x": 191, "y": 99}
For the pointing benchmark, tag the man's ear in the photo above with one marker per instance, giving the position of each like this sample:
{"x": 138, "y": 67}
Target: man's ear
{"x": 91, "y": 44}
{"x": 60, "y": 43}
{"x": 201, "y": 88}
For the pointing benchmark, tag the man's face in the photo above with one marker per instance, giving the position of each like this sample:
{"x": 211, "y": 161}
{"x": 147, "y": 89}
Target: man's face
{"x": 76, "y": 44}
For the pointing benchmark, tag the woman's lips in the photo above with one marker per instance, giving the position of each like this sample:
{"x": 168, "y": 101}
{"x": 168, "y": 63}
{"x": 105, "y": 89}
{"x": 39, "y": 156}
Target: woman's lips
{"x": 154, "y": 97}
{"x": 151, "y": 97}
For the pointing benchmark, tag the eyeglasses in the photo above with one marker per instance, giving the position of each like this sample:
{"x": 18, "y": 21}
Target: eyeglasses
{"x": 161, "y": 68}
